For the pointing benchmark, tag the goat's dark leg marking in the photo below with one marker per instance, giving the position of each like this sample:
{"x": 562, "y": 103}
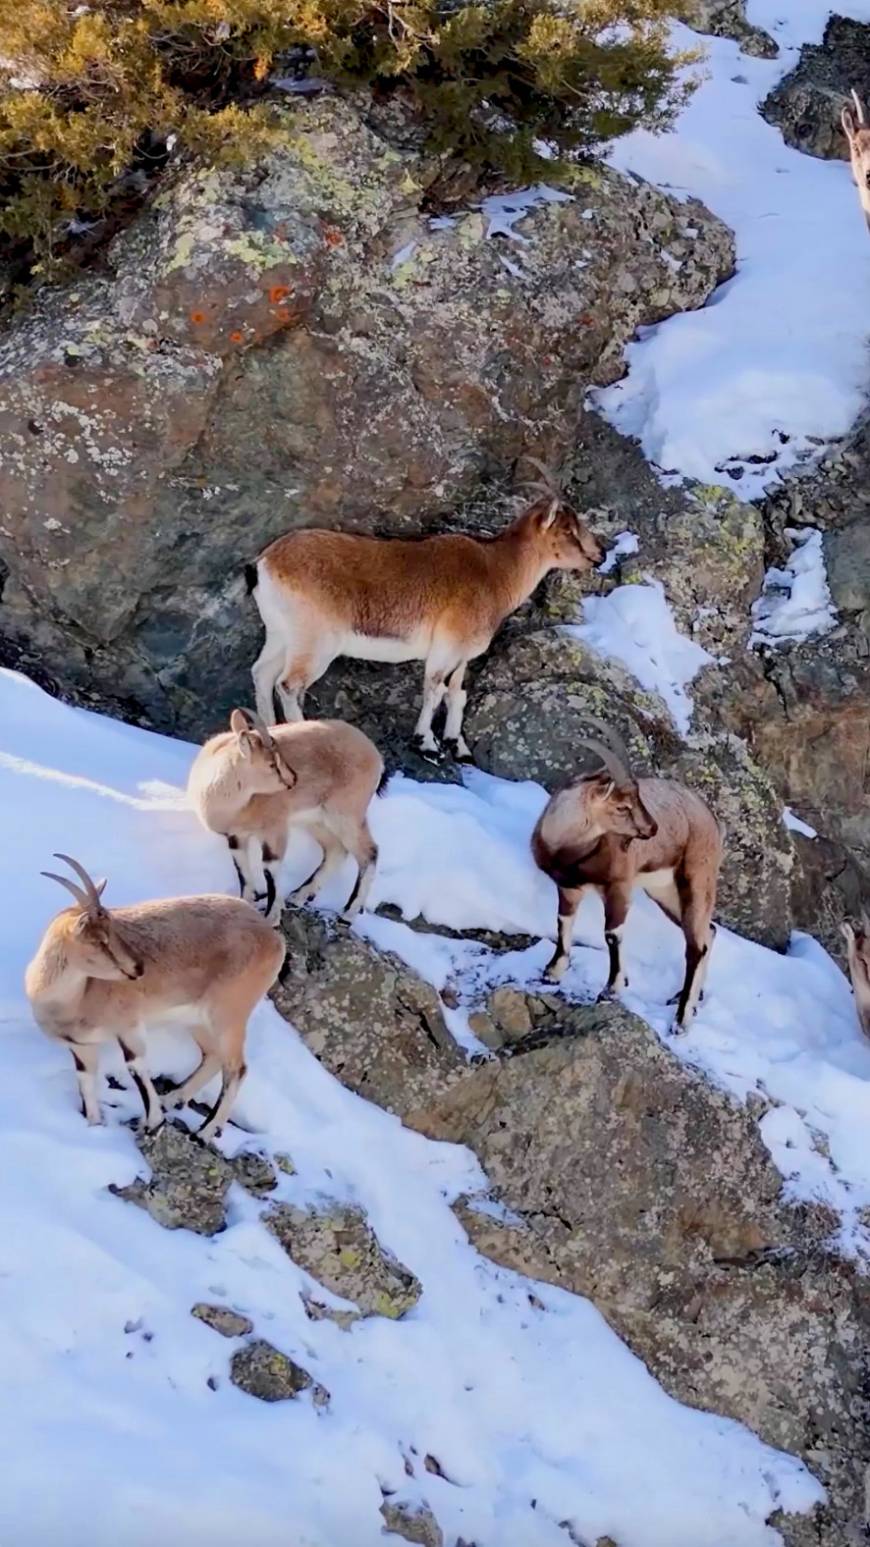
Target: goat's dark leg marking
{"x": 85, "y": 1056}
{"x": 232, "y": 845}
{"x": 569, "y": 902}
{"x": 616, "y": 905}
{"x": 150, "y": 1100}
{"x": 212, "y": 1125}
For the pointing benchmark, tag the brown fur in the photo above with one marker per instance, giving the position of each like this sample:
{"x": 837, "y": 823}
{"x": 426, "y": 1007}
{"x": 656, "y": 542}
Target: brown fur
{"x": 439, "y": 599}
{"x": 858, "y": 947}
{"x": 237, "y": 790}
{"x": 103, "y": 974}
{"x": 858, "y": 136}
{"x": 611, "y": 834}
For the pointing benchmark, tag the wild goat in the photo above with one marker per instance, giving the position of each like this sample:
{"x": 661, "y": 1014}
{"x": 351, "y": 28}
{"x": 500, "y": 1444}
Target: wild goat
{"x": 253, "y": 785}
{"x": 858, "y": 946}
{"x": 436, "y": 599}
{"x": 609, "y": 830}
{"x": 858, "y": 135}
{"x": 103, "y": 975}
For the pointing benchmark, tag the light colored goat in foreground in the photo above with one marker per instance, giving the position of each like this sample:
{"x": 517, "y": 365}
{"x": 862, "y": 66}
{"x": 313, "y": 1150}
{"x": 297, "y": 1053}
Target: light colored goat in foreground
{"x": 254, "y": 785}
{"x": 436, "y": 599}
{"x": 103, "y": 975}
{"x": 611, "y": 831}
{"x": 858, "y": 135}
{"x": 858, "y": 948}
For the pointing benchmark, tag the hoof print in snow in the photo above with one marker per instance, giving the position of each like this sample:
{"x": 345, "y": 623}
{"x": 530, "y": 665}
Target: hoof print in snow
{"x": 255, "y": 1172}
{"x": 315, "y": 1310}
{"x": 415, "y": 1522}
{"x": 263, "y": 1371}
{"x": 338, "y": 1247}
{"x": 229, "y": 1323}
{"x": 188, "y": 1184}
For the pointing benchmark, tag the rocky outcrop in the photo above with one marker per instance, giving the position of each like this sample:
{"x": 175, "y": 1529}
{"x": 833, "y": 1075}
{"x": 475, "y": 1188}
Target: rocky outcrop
{"x": 366, "y": 1016}
{"x": 291, "y": 344}
{"x": 265, "y": 1372}
{"x": 189, "y": 1181}
{"x": 630, "y": 1179}
{"x": 727, "y": 19}
{"x": 806, "y": 103}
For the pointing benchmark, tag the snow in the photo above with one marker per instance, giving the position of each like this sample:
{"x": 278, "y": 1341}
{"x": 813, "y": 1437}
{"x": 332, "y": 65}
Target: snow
{"x": 796, "y": 825}
{"x": 634, "y": 625}
{"x": 743, "y": 388}
{"x": 795, "y": 602}
{"x": 623, "y": 544}
{"x": 106, "y": 1373}
{"x": 502, "y": 210}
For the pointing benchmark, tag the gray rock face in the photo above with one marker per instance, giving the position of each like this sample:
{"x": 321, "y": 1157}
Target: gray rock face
{"x": 728, "y": 19}
{"x": 337, "y": 1246}
{"x": 263, "y": 1371}
{"x": 806, "y": 104}
{"x": 188, "y": 1184}
{"x": 365, "y": 1015}
{"x": 638, "y": 1184}
{"x": 257, "y": 359}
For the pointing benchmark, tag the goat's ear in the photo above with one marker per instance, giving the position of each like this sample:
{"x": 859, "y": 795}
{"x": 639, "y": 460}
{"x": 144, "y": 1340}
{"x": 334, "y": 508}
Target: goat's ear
{"x": 101, "y": 886}
{"x": 239, "y": 721}
{"x": 847, "y": 119}
{"x": 548, "y": 515}
{"x": 848, "y": 932}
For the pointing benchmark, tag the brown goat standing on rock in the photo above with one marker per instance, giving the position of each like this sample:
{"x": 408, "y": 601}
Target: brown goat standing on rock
{"x": 104, "y": 975}
{"x": 253, "y": 785}
{"x": 437, "y": 599}
{"x": 614, "y": 832}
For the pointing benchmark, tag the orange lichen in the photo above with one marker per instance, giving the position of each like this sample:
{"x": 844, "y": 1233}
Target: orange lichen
{"x": 197, "y": 317}
{"x": 278, "y": 293}
{"x": 237, "y": 336}
{"x": 332, "y": 236}
{"x": 283, "y": 314}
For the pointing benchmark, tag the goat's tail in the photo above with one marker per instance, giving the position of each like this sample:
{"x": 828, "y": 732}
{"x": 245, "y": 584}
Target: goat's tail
{"x": 252, "y": 577}
{"x": 384, "y": 780}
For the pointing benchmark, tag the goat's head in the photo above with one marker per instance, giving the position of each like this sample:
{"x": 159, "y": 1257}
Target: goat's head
{"x": 267, "y": 772}
{"x": 95, "y": 942}
{"x": 612, "y": 793}
{"x": 858, "y": 948}
{"x": 567, "y": 542}
{"x": 857, "y": 133}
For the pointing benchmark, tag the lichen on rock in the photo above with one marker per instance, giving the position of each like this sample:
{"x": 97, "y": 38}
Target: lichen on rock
{"x": 337, "y": 1246}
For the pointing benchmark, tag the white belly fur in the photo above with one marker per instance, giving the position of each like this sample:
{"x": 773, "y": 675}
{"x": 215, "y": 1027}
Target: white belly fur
{"x": 656, "y": 881}
{"x": 370, "y": 647}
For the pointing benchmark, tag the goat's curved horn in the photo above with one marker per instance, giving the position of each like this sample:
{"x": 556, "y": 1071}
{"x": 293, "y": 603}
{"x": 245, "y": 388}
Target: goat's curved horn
{"x": 81, "y": 897}
{"x": 610, "y": 737}
{"x": 549, "y": 478}
{"x": 269, "y": 742}
{"x": 614, "y": 764}
{"x": 859, "y": 106}
{"x": 92, "y": 892}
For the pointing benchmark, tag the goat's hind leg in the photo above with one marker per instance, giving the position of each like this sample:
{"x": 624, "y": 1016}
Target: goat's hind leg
{"x": 265, "y": 671}
{"x": 333, "y": 855}
{"x": 454, "y": 741}
{"x": 617, "y": 900}
{"x": 700, "y": 933}
{"x": 86, "y": 1057}
{"x": 569, "y": 902}
{"x": 132, "y": 1045}
{"x": 362, "y": 846}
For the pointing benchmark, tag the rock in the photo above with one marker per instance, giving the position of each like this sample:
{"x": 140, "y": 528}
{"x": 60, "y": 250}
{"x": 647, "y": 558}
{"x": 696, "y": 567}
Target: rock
{"x": 364, "y": 1014}
{"x": 414, "y": 1522}
{"x": 806, "y": 103}
{"x": 338, "y": 1247}
{"x": 188, "y": 1184}
{"x": 250, "y": 359}
{"x": 315, "y": 1310}
{"x": 263, "y": 1371}
{"x": 505, "y": 1020}
{"x": 530, "y": 705}
{"x": 634, "y": 1181}
{"x": 229, "y": 1323}
{"x": 847, "y": 559}
{"x": 255, "y": 1172}
{"x": 727, "y": 19}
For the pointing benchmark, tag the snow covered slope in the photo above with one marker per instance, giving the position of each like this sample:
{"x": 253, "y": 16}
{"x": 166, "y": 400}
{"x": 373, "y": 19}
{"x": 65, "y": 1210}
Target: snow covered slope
{"x": 114, "y": 1438}
{"x": 739, "y": 389}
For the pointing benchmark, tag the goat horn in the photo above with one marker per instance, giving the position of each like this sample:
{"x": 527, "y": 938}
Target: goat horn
{"x": 551, "y": 480}
{"x": 268, "y": 741}
{"x": 610, "y": 737}
{"x": 859, "y": 106}
{"x": 81, "y": 897}
{"x": 92, "y": 894}
{"x": 614, "y": 765}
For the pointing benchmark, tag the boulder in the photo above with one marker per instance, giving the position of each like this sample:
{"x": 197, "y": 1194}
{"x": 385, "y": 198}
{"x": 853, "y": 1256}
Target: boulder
{"x": 264, "y": 1371}
{"x": 337, "y": 1246}
{"x": 288, "y": 344}
{"x": 364, "y": 1014}
{"x": 806, "y": 103}
{"x": 188, "y": 1184}
{"x": 727, "y": 19}
{"x": 630, "y": 1179}
{"x": 413, "y": 1522}
{"x": 222, "y": 1319}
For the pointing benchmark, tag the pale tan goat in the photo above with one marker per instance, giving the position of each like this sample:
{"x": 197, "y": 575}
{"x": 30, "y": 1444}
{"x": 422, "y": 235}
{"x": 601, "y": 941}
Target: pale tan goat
{"x": 437, "y": 599}
{"x": 103, "y": 975}
{"x": 858, "y": 135}
{"x": 858, "y": 947}
{"x": 254, "y": 785}
{"x": 613, "y": 832}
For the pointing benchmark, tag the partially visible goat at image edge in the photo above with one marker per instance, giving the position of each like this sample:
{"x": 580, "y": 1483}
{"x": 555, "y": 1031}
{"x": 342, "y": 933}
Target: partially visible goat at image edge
{"x": 440, "y": 599}
{"x": 113, "y": 974}
{"x": 254, "y": 785}
{"x": 612, "y": 831}
{"x": 858, "y": 135}
{"x": 858, "y": 948}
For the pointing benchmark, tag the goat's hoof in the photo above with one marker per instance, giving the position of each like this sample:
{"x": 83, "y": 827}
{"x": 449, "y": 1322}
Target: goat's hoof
{"x": 431, "y": 753}
{"x": 555, "y": 971}
{"x": 458, "y": 751}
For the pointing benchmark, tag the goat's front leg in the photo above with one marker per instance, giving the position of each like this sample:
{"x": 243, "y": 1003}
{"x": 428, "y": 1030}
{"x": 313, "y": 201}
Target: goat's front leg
{"x": 256, "y": 868}
{"x": 86, "y": 1056}
{"x": 433, "y": 692}
{"x": 133, "y": 1047}
{"x": 569, "y": 902}
{"x": 457, "y": 698}
{"x": 616, "y": 904}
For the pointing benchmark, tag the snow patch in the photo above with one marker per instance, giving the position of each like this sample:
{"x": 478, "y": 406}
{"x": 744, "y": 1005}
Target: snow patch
{"x": 795, "y": 602}
{"x": 796, "y": 825}
{"x": 623, "y": 544}
{"x": 635, "y": 625}
{"x": 503, "y": 210}
{"x": 745, "y": 386}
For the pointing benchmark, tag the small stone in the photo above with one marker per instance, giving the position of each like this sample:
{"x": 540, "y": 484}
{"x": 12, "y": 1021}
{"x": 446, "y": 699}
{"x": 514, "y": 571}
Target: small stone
{"x": 315, "y": 1310}
{"x": 415, "y": 1522}
{"x": 510, "y": 1011}
{"x": 263, "y": 1371}
{"x": 229, "y": 1323}
{"x": 484, "y": 1028}
{"x": 337, "y": 1245}
{"x": 255, "y": 1172}
{"x": 285, "y": 1164}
